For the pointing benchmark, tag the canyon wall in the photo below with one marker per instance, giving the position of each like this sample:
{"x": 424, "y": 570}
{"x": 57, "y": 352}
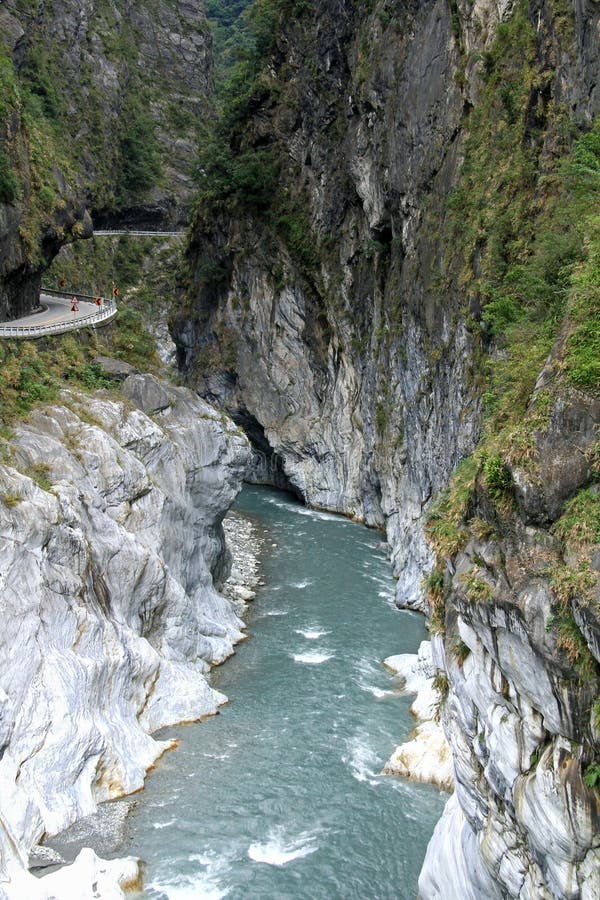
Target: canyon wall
{"x": 111, "y": 547}
{"x": 393, "y": 266}
{"x": 100, "y": 112}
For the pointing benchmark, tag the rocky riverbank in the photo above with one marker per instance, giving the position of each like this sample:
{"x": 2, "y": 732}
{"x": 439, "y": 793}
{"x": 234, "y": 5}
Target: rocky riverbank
{"x": 426, "y": 755}
{"x": 246, "y": 545}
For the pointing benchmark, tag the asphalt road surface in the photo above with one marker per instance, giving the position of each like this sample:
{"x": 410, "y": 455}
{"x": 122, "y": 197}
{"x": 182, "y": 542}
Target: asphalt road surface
{"x": 56, "y": 310}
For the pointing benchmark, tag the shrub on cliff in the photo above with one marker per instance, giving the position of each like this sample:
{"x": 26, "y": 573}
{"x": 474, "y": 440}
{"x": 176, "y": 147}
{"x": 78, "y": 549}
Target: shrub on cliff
{"x": 140, "y": 163}
{"x": 497, "y": 477}
{"x": 9, "y": 185}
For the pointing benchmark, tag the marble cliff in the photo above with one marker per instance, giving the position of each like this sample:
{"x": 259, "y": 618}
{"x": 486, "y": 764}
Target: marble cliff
{"x": 393, "y": 270}
{"x": 111, "y": 548}
{"x": 391, "y": 286}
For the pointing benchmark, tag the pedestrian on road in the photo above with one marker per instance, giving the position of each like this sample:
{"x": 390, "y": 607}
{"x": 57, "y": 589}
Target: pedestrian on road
{"x": 74, "y": 304}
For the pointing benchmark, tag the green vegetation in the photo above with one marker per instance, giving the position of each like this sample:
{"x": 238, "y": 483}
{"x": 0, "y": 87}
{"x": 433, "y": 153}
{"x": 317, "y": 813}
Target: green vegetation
{"x": 579, "y": 525}
{"x": 433, "y": 584}
{"x": 30, "y": 105}
{"x": 476, "y": 589}
{"x": 596, "y": 714}
{"x": 130, "y": 341}
{"x": 9, "y": 185}
{"x": 40, "y": 473}
{"x": 381, "y": 417}
{"x": 140, "y": 166}
{"x": 526, "y": 216}
{"x": 234, "y": 175}
{"x": 571, "y": 641}
{"x": 556, "y": 274}
{"x": 497, "y": 477}
{"x": 570, "y": 583}
{"x": 238, "y": 182}
{"x": 32, "y": 375}
{"x": 442, "y": 686}
{"x": 583, "y": 347}
{"x": 91, "y": 266}
{"x": 118, "y": 158}
{"x": 460, "y": 651}
{"x": 524, "y": 233}
{"x": 38, "y": 81}
{"x": 10, "y": 500}
{"x": 235, "y": 182}
{"x": 575, "y": 585}
{"x": 231, "y": 38}
{"x": 446, "y": 528}
{"x": 592, "y": 776}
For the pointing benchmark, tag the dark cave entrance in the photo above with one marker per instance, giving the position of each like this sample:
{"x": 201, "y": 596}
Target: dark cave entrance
{"x": 267, "y": 465}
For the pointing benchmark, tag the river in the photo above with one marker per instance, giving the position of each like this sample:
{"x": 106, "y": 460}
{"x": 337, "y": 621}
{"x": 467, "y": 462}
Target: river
{"x": 280, "y": 795}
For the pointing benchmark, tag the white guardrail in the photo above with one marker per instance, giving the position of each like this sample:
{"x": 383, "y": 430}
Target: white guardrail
{"x": 107, "y": 311}
{"x": 105, "y": 233}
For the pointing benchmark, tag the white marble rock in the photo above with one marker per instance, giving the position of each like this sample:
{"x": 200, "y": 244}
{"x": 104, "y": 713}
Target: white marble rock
{"x": 110, "y": 615}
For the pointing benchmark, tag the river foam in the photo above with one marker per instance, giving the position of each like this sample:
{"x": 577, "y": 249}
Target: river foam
{"x": 368, "y": 671}
{"x": 278, "y": 850}
{"x": 207, "y": 884}
{"x": 311, "y": 634}
{"x": 362, "y": 759}
{"x": 312, "y": 657}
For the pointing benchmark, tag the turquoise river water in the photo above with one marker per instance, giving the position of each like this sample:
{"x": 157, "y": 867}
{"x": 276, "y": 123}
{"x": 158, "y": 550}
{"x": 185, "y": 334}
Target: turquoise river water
{"x": 280, "y": 795}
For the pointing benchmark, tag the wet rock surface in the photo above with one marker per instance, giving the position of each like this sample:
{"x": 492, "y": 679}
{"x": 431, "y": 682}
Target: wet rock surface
{"x": 426, "y": 755}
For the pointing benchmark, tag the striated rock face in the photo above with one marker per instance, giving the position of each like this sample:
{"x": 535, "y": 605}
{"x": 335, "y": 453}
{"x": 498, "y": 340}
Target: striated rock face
{"x": 110, "y": 551}
{"x": 101, "y": 104}
{"x": 333, "y": 333}
{"x": 339, "y": 318}
{"x": 87, "y": 878}
{"x": 348, "y": 376}
{"x": 521, "y": 714}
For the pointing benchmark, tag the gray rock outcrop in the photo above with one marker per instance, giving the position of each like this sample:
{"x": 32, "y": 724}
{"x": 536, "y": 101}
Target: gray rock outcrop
{"x": 110, "y": 545}
{"x": 343, "y": 328}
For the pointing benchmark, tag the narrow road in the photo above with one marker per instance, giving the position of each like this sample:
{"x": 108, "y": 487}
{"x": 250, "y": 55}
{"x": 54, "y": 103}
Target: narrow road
{"x": 56, "y": 317}
{"x": 57, "y": 309}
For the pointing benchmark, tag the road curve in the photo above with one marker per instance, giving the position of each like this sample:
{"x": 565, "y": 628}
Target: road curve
{"x": 56, "y": 317}
{"x": 55, "y": 309}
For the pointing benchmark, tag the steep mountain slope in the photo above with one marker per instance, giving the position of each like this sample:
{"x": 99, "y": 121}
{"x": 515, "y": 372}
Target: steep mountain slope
{"x": 101, "y": 103}
{"x": 394, "y": 262}
{"x": 335, "y": 248}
